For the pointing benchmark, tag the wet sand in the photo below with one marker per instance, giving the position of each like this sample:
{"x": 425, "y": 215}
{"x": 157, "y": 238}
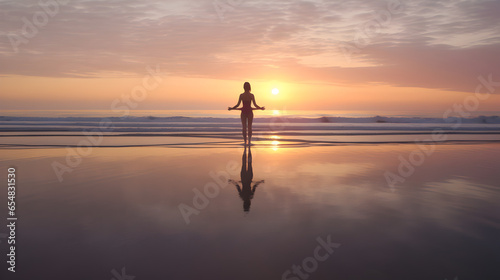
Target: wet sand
{"x": 120, "y": 208}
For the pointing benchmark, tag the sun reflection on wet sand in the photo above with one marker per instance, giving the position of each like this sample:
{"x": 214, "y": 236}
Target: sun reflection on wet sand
{"x": 129, "y": 197}
{"x": 275, "y": 143}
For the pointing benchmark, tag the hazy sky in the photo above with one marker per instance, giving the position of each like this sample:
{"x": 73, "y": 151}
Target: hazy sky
{"x": 349, "y": 54}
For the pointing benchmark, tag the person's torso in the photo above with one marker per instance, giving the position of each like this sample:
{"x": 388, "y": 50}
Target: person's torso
{"x": 247, "y": 100}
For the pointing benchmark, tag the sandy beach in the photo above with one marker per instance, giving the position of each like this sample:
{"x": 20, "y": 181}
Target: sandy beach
{"x": 120, "y": 208}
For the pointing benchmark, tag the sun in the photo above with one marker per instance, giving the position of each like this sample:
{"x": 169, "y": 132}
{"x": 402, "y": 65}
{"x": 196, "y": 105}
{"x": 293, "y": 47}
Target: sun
{"x": 275, "y": 91}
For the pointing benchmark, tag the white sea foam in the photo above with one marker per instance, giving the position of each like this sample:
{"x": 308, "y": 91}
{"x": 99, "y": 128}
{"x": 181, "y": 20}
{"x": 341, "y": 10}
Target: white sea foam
{"x": 296, "y": 129}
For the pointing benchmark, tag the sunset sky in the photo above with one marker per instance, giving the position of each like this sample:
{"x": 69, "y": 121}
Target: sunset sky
{"x": 338, "y": 55}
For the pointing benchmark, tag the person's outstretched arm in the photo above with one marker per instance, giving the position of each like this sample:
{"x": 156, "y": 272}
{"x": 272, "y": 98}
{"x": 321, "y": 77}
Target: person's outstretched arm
{"x": 235, "y": 184}
{"x": 255, "y": 104}
{"x": 233, "y": 108}
{"x": 256, "y": 185}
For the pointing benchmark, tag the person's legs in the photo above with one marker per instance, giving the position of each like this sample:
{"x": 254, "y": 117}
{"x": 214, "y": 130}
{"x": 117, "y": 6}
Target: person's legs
{"x": 243, "y": 164}
{"x": 244, "y": 126}
{"x": 250, "y": 121}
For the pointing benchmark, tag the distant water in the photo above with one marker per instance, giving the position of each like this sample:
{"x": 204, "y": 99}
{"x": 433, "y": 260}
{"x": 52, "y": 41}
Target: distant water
{"x": 298, "y": 127}
{"x": 232, "y": 114}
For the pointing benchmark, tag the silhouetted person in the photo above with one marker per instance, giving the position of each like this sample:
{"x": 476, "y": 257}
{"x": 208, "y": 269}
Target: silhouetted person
{"x": 246, "y": 191}
{"x": 246, "y": 111}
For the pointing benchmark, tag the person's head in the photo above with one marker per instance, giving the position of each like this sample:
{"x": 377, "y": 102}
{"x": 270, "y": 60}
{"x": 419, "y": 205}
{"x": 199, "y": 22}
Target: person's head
{"x": 246, "y": 205}
{"x": 247, "y": 87}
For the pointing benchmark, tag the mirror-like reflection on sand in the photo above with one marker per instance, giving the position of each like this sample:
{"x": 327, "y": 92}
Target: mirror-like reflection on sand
{"x": 121, "y": 208}
{"x": 247, "y": 190}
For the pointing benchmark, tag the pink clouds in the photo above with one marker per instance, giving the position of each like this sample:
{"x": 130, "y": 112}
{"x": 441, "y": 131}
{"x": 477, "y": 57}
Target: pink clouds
{"x": 432, "y": 44}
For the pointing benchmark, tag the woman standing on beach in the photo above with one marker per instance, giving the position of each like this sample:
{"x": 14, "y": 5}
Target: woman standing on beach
{"x": 246, "y": 111}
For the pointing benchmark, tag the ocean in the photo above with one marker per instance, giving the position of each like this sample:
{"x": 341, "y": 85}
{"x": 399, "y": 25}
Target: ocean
{"x": 205, "y": 127}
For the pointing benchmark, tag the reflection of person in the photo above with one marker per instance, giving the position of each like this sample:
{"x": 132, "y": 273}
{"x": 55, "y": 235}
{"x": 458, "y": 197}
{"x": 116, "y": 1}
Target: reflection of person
{"x": 246, "y": 111}
{"x": 246, "y": 191}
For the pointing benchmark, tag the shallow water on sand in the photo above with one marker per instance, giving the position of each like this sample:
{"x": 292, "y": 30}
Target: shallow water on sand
{"x": 119, "y": 208}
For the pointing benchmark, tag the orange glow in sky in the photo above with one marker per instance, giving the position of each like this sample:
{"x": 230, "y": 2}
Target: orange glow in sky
{"x": 296, "y": 55}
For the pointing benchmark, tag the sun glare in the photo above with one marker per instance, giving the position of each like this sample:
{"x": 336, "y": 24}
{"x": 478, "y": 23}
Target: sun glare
{"x": 275, "y": 145}
{"x": 275, "y": 91}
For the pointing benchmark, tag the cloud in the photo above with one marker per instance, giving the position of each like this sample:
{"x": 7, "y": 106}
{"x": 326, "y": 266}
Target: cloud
{"x": 431, "y": 44}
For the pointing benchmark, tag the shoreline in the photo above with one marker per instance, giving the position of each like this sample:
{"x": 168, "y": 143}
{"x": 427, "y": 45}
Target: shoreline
{"x": 238, "y": 144}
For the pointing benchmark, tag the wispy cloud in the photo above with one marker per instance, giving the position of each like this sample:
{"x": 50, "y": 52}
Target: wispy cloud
{"x": 432, "y": 44}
